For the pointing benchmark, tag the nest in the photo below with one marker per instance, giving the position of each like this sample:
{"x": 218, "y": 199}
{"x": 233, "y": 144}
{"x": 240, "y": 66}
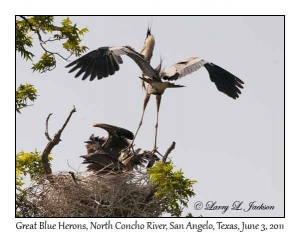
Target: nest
{"x": 66, "y": 194}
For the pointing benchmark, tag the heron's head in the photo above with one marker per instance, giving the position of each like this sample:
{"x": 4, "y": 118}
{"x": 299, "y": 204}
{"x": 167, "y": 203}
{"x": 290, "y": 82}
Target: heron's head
{"x": 149, "y": 38}
{"x": 148, "y": 47}
{"x": 148, "y": 32}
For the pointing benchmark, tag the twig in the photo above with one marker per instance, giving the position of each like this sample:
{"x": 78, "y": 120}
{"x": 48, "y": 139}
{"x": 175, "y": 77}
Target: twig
{"x": 54, "y": 53}
{"x": 46, "y": 131}
{"x": 172, "y": 147}
{"x": 32, "y": 29}
{"x": 71, "y": 166}
{"x": 102, "y": 169}
{"x": 73, "y": 176}
{"x": 55, "y": 39}
{"x": 52, "y": 143}
{"x": 67, "y": 121}
{"x": 42, "y": 42}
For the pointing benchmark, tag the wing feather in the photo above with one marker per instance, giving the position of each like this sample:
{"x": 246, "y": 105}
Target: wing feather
{"x": 94, "y": 72}
{"x": 89, "y": 69}
{"x": 225, "y": 82}
{"x": 104, "y": 62}
{"x": 82, "y": 68}
{"x": 115, "y": 130}
{"x": 182, "y": 68}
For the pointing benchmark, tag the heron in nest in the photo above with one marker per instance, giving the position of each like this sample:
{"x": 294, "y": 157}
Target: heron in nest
{"x": 105, "y": 61}
{"x": 110, "y": 153}
{"x": 102, "y": 162}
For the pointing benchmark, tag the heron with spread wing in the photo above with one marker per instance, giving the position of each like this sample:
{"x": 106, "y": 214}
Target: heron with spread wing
{"x": 105, "y": 61}
{"x": 106, "y": 154}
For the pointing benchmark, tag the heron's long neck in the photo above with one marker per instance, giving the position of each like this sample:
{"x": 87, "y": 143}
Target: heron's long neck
{"x": 147, "y": 51}
{"x": 148, "y": 48}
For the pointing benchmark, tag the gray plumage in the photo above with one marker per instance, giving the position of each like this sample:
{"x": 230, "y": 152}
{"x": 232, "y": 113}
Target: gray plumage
{"x": 117, "y": 140}
{"x": 112, "y": 153}
{"x": 105, "y": 61}
{"x": 102, "y": 161}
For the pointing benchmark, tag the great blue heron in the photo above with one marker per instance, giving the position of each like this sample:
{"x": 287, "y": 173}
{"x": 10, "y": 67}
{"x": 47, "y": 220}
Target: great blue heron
{"x": 109, "y": 153}
{"x": 100, "y": 161}
{"x": 105, "y": 61}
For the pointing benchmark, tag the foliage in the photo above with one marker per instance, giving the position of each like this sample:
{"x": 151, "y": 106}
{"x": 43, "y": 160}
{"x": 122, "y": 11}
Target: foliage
{"x": 29, "y": 30}
{"x": 171, "y": 186}
{"x": 23, "y": 94}
{"x": 66, "y": 32}
{"x": 189, "y": 215}
{"x": 28, "y": 164}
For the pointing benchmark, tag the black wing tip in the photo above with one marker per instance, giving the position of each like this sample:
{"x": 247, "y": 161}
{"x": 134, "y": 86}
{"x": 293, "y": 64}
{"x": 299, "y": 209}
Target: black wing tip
{"x": 240, "y": 81}
{"x": 225, "y": 81}
{"x": 233, "y": 92}
{"x": 69, "y": 65}
{"x": 96, "y": 64}
{"x": 125, "y": 133}
{"x": 129, "y": 135}
{"x": 218, "y": 69}
{"x": 121, "y": 132}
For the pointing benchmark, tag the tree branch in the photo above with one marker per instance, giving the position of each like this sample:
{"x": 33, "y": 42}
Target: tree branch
{"x": 69, "y": 117}
{"x": 33, "y": 29}
{"x": 46, "y": 131}
{"x": 172, "y": 147}
{"x": 52, "y": 143}
{"x": 55, "y": 39}
{"x": 42, "y": 42}
{"x": 54, "y": 53}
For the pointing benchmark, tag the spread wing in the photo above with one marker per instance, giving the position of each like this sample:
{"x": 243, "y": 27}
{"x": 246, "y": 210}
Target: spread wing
{"x": 105, "y": 61}
{"x": 98, "y": 156}
{"x": 117, "y": 139}
{"x": 225, "y": 82}
{"x": 100, "y": 160}
{"x": 115, "y": 131}
{"x": 182, "y": 68}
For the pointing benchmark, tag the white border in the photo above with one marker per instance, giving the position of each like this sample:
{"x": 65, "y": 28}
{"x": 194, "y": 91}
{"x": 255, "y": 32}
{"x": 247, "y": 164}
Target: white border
{"x": 290, "y": 8}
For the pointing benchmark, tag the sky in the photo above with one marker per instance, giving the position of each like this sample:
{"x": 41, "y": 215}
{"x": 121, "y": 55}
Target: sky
{"x": 234, "y": 149}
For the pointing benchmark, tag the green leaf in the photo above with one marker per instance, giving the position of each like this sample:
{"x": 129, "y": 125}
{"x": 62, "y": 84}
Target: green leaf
{"x": 43, "y": 29}
{"x": 23, "y": 94}
{"x": 47, "y": 62}
{"x": 172, "y": 187}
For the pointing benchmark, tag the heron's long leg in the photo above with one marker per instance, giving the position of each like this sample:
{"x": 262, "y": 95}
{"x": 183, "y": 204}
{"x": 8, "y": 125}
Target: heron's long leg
{"x": 146, "y": 100}
{"x": 158, "y": 100}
